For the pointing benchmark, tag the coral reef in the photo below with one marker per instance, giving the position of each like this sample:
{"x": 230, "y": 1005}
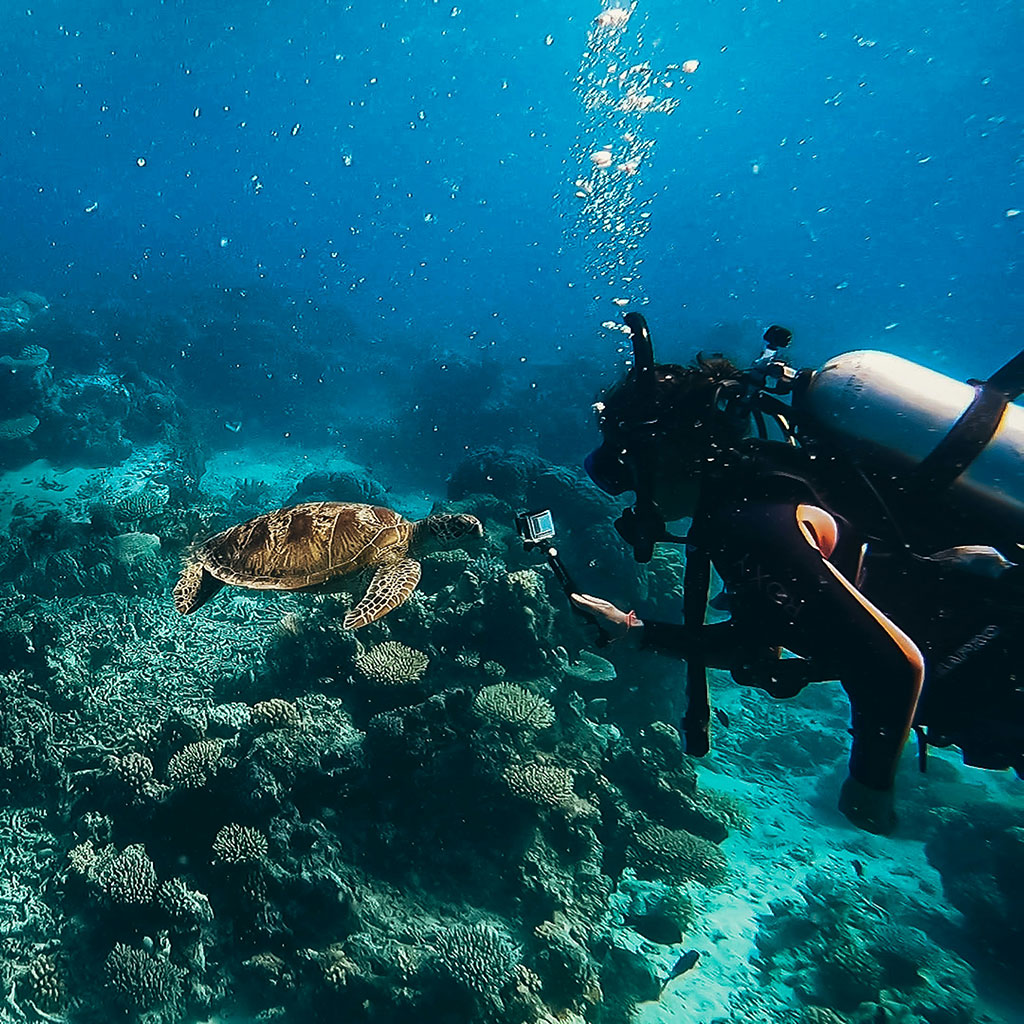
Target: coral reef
{"x": 511, "y": 704}
{"x": 240, "y": 844}
{"x": 846, "y": 958}
{"x": 392, "y": 664}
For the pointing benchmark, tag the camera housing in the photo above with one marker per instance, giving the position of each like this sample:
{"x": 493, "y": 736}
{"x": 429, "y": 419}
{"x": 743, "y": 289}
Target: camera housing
{"x": 535, "y": 527}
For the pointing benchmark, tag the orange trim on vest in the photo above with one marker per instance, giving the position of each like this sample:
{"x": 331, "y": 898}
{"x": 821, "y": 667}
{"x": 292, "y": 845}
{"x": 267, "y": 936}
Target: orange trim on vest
{"x": 819, "y": 528}
{"x": 821, "y": 531}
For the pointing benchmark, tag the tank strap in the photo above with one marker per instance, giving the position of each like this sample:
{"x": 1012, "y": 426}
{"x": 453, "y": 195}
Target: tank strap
{"x": 965, "y": 441}
{"x": 973, "y": 430}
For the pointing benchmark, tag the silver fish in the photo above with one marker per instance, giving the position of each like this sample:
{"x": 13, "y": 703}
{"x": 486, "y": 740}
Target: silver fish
{"x": 977, "y": 559}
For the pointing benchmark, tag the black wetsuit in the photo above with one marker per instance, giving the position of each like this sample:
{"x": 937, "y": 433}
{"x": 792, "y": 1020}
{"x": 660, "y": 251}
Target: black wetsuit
{"x": 759, "y": 521}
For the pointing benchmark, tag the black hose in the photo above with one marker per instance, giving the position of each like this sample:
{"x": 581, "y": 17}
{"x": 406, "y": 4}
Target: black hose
{"x": 643, "y": 349}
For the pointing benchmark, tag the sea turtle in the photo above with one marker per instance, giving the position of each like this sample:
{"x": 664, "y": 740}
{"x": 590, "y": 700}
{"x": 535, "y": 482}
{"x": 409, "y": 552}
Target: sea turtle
{"x": 298, "y": 547}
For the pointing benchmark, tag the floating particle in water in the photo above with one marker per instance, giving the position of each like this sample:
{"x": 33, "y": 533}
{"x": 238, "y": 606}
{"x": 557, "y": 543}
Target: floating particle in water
{"x": 224, "y": 242}
{"x": 629, "y": 167}
{"x": 94, "y": 206}
{"x": 548, "y": 40}
{"x": 842, "y": 285}
{"x": 296, "y": 128}
{"x": 621, "y": 302}
{"x": 601, "y": 158}
{"x": 255, "y": 185}
{"x": 614, "y": 17}
{"x": 1013, "y": 213}
{"x": 141, "y": 162}
{"x": 346, "y": 159}
{"x": 755, "y": 168}
{"x": 196, "y": 112}
{"x": 689, "y": 66}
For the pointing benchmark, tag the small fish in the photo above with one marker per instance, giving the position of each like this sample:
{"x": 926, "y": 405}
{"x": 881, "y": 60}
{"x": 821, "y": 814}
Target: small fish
{"x": 858, "y": 867}
{"x": 685, "y": 963}
{"x": 978, "y": 559}
{"x": 722, "y": 717}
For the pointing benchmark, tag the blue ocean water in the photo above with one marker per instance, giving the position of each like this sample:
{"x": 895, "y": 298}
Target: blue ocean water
{"x": 368, "y": 240}
{"x": 842, "y": 168}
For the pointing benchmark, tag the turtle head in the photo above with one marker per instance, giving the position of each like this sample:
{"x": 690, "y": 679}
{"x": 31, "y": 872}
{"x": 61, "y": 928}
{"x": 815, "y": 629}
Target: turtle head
{"x": 446, "y": 529}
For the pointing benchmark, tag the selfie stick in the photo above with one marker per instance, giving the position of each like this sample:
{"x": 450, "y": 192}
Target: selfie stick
{"x": 565, "y": 581}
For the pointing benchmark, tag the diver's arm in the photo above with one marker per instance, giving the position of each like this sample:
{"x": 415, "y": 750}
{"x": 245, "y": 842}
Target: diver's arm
{"x": 718, "y": 645}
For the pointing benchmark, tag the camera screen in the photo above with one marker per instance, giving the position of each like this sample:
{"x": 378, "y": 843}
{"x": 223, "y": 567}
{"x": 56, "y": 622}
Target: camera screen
{"x": 538, "y": 526}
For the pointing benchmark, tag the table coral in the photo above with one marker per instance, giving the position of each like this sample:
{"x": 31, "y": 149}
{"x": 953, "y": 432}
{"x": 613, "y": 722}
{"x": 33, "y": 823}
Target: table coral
{"x": 392, "y": 664}
{"x": 510, "y": 704}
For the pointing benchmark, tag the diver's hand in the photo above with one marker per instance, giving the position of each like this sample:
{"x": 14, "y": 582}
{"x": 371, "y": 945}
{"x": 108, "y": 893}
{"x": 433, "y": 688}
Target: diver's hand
{"x": 614, "y": 621}
{"x": 867, "y": 808}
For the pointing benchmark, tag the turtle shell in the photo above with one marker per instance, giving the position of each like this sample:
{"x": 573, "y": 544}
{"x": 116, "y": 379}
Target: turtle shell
{"x": 301, "y": 546}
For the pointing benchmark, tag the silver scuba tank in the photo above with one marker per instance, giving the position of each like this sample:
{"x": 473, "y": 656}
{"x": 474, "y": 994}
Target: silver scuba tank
{"x": 898, "y": 411}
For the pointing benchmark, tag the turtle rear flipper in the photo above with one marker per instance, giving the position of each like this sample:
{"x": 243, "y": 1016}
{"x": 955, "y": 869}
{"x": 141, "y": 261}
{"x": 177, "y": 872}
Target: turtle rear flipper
{"x": 194, "y": 588}
{"x": 391, "y": 586}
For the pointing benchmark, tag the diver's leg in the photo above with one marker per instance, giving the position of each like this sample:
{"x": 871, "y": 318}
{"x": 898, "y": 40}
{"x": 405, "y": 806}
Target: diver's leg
{"x": 790, "y": 593}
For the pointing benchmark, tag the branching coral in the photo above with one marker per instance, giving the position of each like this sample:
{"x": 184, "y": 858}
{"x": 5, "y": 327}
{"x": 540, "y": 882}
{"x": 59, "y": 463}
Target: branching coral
{"x": 193, "y": 766}
{"x": 676, "y": 856}
{"x": 480, "y": 957}
{"x": 545, "y": 784}
{"x": 128, "y": 876}
{"x": 509, "y": 704}
{"x": 136, "y": 771}
{"x": 143, "y": 503}
{"x": 240, "y": 844}
{"x": 141, "y": 981}
{"x": 392, "y": 664}
{"x": 127, "y": 660}
{"x": 183, "y": 904}
{"x": 44, "y": 984}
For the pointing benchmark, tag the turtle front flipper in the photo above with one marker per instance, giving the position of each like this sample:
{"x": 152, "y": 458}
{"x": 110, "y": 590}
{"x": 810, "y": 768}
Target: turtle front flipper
{"x": 391, "y": 586}
{"x": 195, "y": 587}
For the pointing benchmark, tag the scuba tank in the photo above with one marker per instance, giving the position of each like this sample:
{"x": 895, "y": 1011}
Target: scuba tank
{"x": 922, "y": 430}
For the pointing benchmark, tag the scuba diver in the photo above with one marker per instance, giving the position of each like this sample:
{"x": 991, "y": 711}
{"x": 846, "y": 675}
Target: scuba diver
{"x": 863, "y": 530}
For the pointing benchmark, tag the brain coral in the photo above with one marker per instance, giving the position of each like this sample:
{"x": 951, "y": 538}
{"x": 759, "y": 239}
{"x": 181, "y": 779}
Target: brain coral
{"x": 240, "y": 844}
{"x": 193, "y": 766}
{"x": 506, "y": 703}
{"x": 392, "y": 664}
{"x": 479, "y": 957}
{"x": 545, "y": 784}
{"x": 676, "y": 855}
{"x": 141, "y": 981}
